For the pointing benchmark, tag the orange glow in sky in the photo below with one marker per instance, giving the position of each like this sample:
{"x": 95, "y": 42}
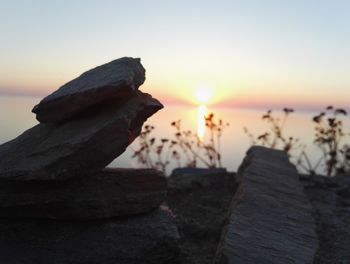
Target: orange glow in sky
{"x": 222, "y": 53}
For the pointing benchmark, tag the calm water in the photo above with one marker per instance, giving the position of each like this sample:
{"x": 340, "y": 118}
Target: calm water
{"x": 16, "y": 117}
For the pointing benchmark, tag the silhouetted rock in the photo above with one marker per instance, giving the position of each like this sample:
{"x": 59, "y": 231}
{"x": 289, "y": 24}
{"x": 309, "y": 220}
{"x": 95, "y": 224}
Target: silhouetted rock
{"x": 330, "y": 197}
{"x": 83, "y": 145}
{"x": 270, "y": 219}
{"x": 110, "y": 193}
{"x": 187, "y": 179}
{"x": 115, "y": 79}
{"x": 150, "y": 238}
{"x": 200, "y": 199}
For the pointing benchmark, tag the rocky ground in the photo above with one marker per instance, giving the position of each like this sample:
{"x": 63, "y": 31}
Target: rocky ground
{"x": 200, "y": 204}
{"x": 331, "y": 200}
{"x": 58, "y": 203}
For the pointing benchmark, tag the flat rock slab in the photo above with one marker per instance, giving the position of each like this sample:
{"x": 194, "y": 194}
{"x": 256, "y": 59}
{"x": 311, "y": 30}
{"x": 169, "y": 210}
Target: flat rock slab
{"x": 110, "y": 193}
{"x": 115, "y": 79}
{"x": 149, "y": 238}
{"x": 81, "y": 146}
{"x": 270, "y": 217}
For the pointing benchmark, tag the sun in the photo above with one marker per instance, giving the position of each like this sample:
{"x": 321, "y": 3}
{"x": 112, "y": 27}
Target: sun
{"x": 203, "y": 94}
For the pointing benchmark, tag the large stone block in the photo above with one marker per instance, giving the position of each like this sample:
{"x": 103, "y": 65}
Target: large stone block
{"x": 115, "y": 79}
{"x": 110, "y": 193}
{"x": 144, "y": 239}
{"x": 83, "y": 145}
{"x": 270, "y": 219}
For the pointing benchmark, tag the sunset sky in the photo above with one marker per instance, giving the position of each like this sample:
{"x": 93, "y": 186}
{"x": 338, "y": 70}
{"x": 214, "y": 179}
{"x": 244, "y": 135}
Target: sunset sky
{"x": 241, "y": 53}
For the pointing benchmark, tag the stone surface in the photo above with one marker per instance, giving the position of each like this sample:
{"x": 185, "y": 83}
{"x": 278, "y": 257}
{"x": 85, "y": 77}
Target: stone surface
{"x": 186, "y": 179}
{"x": 110, "y": 193}
{"x": 77, "y": 147}
{"x": 115, "y": 79}
{"x": 329, "y": 196}
{"x": 200, "y": 205}
{"x": 149, "y": 238}
{"x": 270, "y": 219}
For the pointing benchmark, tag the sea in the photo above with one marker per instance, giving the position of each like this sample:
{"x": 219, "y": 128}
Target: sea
{"x": 16, "y": 117}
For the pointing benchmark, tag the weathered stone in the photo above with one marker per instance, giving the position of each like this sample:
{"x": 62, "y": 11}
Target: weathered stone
{"x": 200, "y": 203}
{"x": 115, "y": 79}
{"x": 149, "y": 238}
{"x": 77, "y": 147}
{"x": 270, "y": 217}
{"x": 187, "y": 179}
{"x": 110, "y": 193}
{"x": 329, "y": 197}
{"x": 344, "y": 192}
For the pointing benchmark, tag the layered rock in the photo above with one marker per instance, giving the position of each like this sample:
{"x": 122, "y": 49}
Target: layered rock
{"x": 116, "y": 79}
{"x": 149, "y": 238}
{"x": 110, "y": 193}
{"x": 57, "y": 202}
{"x": 270, "y": 218}
{"x": 80, "y": 146}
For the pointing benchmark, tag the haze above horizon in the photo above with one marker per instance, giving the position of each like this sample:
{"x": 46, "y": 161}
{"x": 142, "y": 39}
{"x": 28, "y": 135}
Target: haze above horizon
{"x": 229, "y": 53}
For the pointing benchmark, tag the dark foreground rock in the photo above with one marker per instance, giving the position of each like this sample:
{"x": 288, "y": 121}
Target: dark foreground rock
{"x": 110, "y": 193}
{"x": 270, "y": 217}
{"x": 78, "y": 147}
{"x": 115, "y": 79}
{"x": 199, "y": 199}
{"x": 187, "y": 179}
{"x": 145, "y": 239}
{"x": 329, "y": 196}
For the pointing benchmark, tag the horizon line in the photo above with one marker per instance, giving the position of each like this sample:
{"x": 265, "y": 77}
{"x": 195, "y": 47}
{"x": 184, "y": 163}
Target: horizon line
{"x": 182, "y": 103}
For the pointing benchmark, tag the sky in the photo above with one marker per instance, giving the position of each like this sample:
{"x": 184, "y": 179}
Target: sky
{"x": 246, "y": 53}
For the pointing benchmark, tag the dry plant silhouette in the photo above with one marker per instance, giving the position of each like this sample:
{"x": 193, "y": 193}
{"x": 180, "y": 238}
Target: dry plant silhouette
{"x": 329, "y": 134}
{"x": 188, "y": 150}
{"x": 185, "y": 147}
{"x": 275, "y": 137}
{"x": 154, "y": 153}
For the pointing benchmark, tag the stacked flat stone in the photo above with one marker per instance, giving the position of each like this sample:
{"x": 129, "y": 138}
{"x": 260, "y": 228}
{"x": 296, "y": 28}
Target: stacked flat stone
{"x": 56, "y": 170}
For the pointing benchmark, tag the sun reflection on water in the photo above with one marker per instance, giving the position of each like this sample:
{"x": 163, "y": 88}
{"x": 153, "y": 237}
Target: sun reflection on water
{"x": 202, "y": 111}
